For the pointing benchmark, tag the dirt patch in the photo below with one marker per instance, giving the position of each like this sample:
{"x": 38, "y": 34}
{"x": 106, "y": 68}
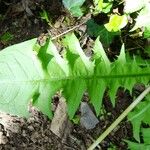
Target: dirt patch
{"x": 31, "y": 134}
{"x": 23, "y": 21}
{"x": 34, "y": 132}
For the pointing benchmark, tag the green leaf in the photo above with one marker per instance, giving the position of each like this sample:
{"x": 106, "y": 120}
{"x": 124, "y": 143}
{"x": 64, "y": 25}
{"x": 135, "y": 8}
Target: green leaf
{"x": 113, "y": 87}
{"x": 100, "y": 53}
{"x": 95, "y": 30}
{"x": 74, "y": 98}
{"x": 98, "y": 5}
{"x": 116, "y": 23}
{"x": 54, "y": 66}
{"x": 146, "y": 135}
{"x": 76, "y": 11}
{"x": 45, "y": 16}
{"x": 96, "y": 96}
{"x": 73, "y": 3}
{"x": 101, "y": 6}
{"x": 131, "y": 6}
{"x": 107, "y": 7}
{"x": 142, "y": 19}
{"x": 73, "y": 46}
{"x": 6, "y": 37}
{"x": 21, "y": 76}
{"x": 140, "y": 113}
{"x": 137, "y": 146}
{"x": 25, "y": 75}
{"x": 100, "y": 86}
{"x": 74, "y": 6}
{"x": 80, "y": 65}
{"x": 147, "y": 32}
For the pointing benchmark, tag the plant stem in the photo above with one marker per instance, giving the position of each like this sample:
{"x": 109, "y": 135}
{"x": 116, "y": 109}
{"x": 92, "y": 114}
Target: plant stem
{"x": 67, "y": 31}
{"x": 85, "y": 19}
{"x": 120, "y": 118}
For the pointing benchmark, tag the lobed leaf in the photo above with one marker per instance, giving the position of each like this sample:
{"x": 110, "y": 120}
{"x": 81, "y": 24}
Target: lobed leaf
{"x": 24, "y": 75}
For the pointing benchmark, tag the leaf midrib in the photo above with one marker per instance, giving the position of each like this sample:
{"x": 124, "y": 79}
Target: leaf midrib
{"x": 51, "y": 79}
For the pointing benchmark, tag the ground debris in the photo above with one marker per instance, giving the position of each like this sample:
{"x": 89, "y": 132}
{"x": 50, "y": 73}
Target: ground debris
{"x": 88, "y": 119}
{"x": 61, "y": 125}
{"x": 28, "y": 134}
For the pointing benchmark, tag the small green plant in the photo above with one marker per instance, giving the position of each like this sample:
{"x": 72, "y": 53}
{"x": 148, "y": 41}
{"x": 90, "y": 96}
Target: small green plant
{"x": 74, "y": 6}
{"x": 29, "y": 75}
{"x": 1, "y": 17}
{"x": 145, "y": 133}
{"x": 45, "y": 16}
{"x": 95, "y": 30}
{"x": 102, "y": 6}
{"x": 40, "y": 76}
{"x": 6, "y": 37}
{"x": 116, "y": 23}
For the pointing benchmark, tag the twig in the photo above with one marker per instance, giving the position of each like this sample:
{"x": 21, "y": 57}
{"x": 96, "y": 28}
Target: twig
{"x": 120, "y": 118}
{"x": 85, "y": 19}
{"x": 67, "y": 31}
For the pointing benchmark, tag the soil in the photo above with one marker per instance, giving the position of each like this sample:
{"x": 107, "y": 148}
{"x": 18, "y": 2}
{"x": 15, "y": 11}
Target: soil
{"x": 22, "y": 20}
